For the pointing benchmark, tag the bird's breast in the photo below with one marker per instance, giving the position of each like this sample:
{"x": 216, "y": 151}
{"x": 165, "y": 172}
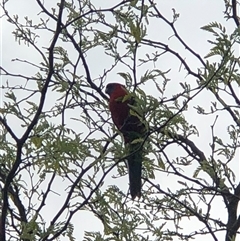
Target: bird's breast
{"x": 120, "y": 112}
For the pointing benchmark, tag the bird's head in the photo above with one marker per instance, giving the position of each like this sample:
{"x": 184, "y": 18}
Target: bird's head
{"x": 115, "y": 88}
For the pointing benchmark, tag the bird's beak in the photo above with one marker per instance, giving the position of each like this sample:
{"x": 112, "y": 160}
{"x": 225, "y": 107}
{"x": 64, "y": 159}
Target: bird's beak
{"x": 107, "y": 90}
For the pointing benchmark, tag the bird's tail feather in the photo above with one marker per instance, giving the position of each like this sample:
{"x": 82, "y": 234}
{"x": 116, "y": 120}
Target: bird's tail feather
{"x": 135, "y": 173}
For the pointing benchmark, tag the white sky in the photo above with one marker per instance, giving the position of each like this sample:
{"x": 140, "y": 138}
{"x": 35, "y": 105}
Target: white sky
{"x": 193, "y": 15}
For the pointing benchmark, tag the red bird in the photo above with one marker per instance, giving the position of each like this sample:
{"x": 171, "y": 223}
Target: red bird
{"x": 131, "y": 128}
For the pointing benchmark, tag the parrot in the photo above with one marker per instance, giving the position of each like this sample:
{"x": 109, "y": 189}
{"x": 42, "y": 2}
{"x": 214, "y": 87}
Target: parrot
{"x": 131, "y": 128}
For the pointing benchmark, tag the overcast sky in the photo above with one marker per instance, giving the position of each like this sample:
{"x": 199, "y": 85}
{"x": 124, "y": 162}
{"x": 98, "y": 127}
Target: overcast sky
{"x": 193, "y": 15}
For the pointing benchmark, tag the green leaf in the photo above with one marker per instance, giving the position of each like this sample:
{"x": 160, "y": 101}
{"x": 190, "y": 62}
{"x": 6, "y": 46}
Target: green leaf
{"x": 135, "y": 31}
{"x": 37, "y": 141}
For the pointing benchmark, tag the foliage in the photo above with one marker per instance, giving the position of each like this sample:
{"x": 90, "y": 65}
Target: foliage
{"x": 61, "y": 156}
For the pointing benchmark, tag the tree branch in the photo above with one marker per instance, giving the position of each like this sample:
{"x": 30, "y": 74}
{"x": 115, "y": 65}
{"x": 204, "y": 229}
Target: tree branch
{"x": 20, "y": 142}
